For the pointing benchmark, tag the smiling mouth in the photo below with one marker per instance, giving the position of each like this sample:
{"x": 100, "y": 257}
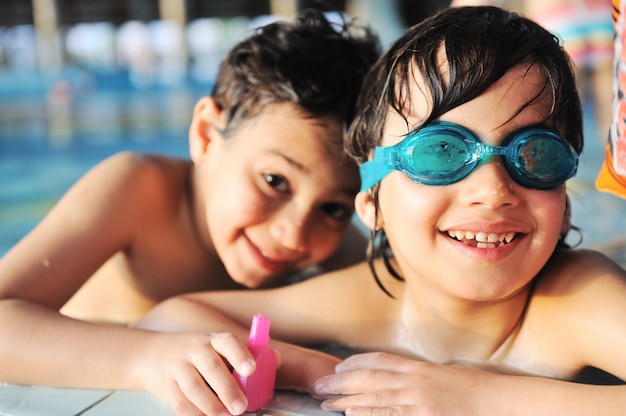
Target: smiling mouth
{"x": 481, "y": 239}
{"x": 275, "y": 262}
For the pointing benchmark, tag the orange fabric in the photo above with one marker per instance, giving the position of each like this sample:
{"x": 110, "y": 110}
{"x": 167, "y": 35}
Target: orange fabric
{"x": 608, "y": 180}
{"x": 612, "y": 176}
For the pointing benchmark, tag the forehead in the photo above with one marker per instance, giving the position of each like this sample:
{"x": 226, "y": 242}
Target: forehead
{"x": 286, "y": 122}
{"x": 310, "y": 145}
{"x": 517, "y": 99}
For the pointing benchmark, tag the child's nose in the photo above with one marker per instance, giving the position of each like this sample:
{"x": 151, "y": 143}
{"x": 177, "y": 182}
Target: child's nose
{"x": 289, "y": 228}
{"x": 490, "y": 185}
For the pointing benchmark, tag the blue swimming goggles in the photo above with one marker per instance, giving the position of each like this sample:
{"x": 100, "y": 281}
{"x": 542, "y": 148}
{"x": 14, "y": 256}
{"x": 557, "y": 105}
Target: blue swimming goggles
{"x": 442, "y": 153}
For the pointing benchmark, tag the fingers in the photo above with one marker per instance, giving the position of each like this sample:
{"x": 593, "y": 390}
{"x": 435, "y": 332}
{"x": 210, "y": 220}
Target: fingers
{"x": 363, "y": 372}
{"x": 209, "y": 380}
{"x": 364, "y": 393}
{"x": 352, "y": 382}
{"x": 372, "y": 360}
{"x": 192, "y": 397}
{"x": 378, "y": 403}
{"x": 201, "y": 381}
{"x": 377, "y": 411}
{"x": 386, "y": 385}
{"x": 212, "y": 370}
{"x": 372, "y": 384}
{"x": 380, "y": 411}
{"x": 234, "y": 352}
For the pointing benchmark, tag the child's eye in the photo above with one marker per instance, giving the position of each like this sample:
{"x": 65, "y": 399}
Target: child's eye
{"x": 336, "y": 211}
{"x": 277, "y": 182}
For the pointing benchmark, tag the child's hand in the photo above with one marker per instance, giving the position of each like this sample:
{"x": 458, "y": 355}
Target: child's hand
{"x": 382, "y": 384}
{"x": 192, "y": 372}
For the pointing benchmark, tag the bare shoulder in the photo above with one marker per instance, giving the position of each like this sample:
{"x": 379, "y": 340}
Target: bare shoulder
{"x": 131, "y": 189}
{"x": 120, "y": 203}
{"x": 138, "y": 170}
{"x": 135, "y": 187}
{"x": 579, "y": 273}
{"x": 578, "y": 311}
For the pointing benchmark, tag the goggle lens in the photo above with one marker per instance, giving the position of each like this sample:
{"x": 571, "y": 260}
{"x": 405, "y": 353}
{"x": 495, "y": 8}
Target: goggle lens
{"x": 437, "y": 155}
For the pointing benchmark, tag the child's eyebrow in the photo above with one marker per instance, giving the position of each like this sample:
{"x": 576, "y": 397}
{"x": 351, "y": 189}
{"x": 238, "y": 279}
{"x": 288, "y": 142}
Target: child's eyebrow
{"x": 292, "y": 162}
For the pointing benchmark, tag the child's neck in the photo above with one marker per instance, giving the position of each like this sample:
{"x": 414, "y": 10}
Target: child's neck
{"x": 453, "y": 329}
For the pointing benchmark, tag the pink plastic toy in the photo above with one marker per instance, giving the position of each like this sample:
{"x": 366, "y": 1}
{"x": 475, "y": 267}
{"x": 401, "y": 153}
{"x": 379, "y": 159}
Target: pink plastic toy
{"x": 259, "y": 387}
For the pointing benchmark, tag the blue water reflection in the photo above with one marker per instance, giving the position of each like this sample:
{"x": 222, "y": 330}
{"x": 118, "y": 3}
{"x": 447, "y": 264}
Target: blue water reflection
{"x": 52, "y": 132}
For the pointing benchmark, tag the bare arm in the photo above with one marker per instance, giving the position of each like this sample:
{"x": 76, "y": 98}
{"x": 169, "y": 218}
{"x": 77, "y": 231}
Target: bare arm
{"x": 98, "y": 217}
{"x": 299, "y": 367}
{"x": 313, "y": 313}
{"x": 336, "y": 308}
{"x": 176, "y": 368}
{"x": 45, "y": 269}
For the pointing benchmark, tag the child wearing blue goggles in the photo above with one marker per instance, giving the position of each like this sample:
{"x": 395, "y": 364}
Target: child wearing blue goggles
{"x": 485, "y": 309}
{"x": 442, "y": 153}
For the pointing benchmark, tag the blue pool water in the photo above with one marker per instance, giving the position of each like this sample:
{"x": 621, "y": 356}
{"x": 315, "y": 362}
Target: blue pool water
{"x": 52, "y": 132}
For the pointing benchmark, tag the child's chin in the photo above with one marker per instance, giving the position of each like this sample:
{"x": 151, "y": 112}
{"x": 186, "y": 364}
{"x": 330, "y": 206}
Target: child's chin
{"x": 254, "y": 282}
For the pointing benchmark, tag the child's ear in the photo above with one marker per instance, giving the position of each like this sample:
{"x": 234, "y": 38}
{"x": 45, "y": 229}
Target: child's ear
{"x": 365, "y": 207}
{"x": 206, "y": 114}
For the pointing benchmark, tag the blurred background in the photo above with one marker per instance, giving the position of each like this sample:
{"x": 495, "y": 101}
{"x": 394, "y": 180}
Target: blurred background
{"x": 83, "y": 79}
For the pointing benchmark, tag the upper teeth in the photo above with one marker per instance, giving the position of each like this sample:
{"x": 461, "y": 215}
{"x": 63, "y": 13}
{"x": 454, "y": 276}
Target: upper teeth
{"x": 484, "y": 240}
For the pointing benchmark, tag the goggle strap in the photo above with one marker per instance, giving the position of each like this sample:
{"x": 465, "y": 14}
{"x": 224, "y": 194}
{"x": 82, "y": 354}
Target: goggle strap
{"x": 373, "y": 172}
{"x": 376, "y": 169}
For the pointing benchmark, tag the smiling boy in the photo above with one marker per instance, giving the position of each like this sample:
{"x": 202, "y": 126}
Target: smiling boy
{"x": 267, "y": 193}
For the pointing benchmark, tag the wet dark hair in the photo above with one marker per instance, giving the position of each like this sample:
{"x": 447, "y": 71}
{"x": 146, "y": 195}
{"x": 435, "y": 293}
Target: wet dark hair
{"x": 481, "y": 44}
{"x": 316, "y": 64}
